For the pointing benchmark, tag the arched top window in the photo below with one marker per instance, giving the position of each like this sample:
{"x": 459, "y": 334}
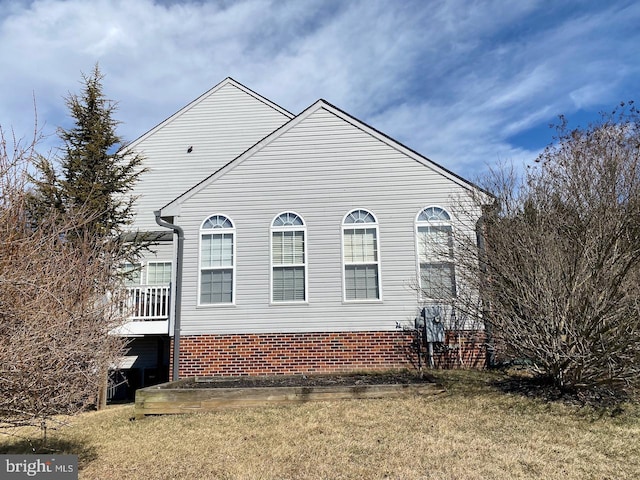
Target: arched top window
{"x": 433, "y": 214}
{"x": 217, "y": 261}
{"x": 217, "y": 221}
{"x": 360, "y": 256}
{"x": 288, "y": 259}
{"x": 359, "y": 216}
{"x": 288, "y": 219}
{"x": 434, "y": 242}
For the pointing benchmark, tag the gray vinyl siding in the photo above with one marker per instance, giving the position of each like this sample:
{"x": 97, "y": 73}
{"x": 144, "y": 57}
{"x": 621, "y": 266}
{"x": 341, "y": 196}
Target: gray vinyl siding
{"x": 321, "y": 168}
{"x": 219, "y": 127}
{"x": 160, "y": 252}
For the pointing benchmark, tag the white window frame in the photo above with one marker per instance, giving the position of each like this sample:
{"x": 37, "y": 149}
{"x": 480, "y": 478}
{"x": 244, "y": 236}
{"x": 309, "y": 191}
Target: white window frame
{"x": 157, "y": 262}
{"x": 129, "y": 267}
{"x": 435, "y": 223}
{"x": 368, "y": 225}
{"x": 217, "y": 231}
{"x": 289, "y": 228}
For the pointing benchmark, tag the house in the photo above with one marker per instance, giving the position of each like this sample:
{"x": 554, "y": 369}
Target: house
{"x": 288, "y": 243}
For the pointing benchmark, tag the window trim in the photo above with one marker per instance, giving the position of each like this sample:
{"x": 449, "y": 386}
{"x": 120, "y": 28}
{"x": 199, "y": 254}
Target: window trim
{"x": 450, "y": 261}
{"x": 378, "y": 263}
{"x": 154, "y": 262}
{"x": 209, "y": 231}
{"x": 304, "y": 265}
{"x": 128, "y": 267}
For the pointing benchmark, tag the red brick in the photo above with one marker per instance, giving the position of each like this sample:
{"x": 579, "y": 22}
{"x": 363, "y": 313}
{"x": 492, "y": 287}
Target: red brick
{"x": 271, "y": 354}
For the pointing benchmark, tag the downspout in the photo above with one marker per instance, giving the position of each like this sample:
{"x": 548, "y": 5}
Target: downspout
{"x": 482, "y": 250}
{"x": 178, "y": 292}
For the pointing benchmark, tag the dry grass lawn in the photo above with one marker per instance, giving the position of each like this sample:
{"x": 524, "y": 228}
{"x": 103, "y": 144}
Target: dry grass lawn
{"x": 473, "y": 431}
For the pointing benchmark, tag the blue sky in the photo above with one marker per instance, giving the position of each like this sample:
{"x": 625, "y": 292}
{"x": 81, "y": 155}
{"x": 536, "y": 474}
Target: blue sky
{"x": 465, "y": 83}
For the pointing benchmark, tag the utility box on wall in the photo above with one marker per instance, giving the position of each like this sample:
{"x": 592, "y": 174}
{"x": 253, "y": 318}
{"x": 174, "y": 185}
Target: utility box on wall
{"x": 431, "y": 323}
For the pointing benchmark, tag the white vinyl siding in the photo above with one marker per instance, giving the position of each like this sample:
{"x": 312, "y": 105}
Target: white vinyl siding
{"x": 323, "y": 167}
{"x": 288, "y": 259}
{"x": 217, "y": 261}
{"x": 218, "y": 126}
{"x": 360, "y": 247}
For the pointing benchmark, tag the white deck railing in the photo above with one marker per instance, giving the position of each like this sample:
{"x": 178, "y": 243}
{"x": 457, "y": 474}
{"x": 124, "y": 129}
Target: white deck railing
{"x": 147, "y": 302}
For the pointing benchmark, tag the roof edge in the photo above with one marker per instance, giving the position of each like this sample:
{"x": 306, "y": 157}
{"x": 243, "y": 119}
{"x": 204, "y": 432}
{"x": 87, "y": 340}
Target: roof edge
{"x": 193, "y": 103}
{"x": 393, "y": 143}
{"x": 172, "y": 208}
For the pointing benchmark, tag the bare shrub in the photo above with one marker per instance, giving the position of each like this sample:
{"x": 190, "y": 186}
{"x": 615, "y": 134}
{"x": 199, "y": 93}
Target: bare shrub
{"x": 560, "y": 275}
{"x": 58, "y": 302}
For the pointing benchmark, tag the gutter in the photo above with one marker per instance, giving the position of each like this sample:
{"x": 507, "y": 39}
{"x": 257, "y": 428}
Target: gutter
{"x": 178, "y": 292}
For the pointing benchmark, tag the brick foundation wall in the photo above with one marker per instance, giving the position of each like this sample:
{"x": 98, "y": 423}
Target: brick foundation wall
{"x": 461, "y": 349}
{"x": 302, "y": 353}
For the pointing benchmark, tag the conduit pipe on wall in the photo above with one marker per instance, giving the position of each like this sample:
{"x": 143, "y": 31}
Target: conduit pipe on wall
{"x": 178, "y": 292}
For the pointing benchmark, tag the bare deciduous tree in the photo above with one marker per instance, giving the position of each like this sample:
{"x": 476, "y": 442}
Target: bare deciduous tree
{"x": 560, "y": 277}
{"x": 57, "y": 304}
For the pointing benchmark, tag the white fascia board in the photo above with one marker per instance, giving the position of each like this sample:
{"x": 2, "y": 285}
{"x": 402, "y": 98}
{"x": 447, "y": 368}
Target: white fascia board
{"x": 142, "y": 328}
{"x": 171, "y": 210}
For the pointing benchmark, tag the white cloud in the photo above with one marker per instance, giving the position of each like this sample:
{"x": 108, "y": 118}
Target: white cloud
{"x": 455, "y": 80}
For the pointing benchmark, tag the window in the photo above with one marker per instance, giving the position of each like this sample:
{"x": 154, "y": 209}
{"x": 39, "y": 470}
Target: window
{"x": 131, "y": 273}
{"x": 434, "y": 240}
{"x": 158, "y": 273}
{"x": 217, "y": 260}
{"x": 360, "y": 256}
{"x": 288, "y": 259}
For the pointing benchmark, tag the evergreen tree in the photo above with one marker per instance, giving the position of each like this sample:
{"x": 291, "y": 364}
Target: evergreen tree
{"x": 96, "y": 172}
